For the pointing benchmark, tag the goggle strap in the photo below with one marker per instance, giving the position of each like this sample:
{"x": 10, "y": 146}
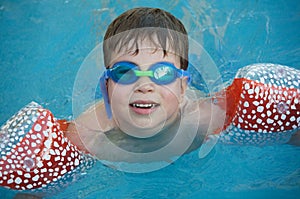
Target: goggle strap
{"x": 106, "y": 74}
{"x": 105, "y": 95}
{"x": 184, "y": 73}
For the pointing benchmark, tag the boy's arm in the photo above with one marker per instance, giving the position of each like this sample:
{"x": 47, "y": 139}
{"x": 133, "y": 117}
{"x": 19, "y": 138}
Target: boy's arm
{"x": 86, "y": 130}
{"x": 211, "y": 120}
{"x": 72, "y": 134}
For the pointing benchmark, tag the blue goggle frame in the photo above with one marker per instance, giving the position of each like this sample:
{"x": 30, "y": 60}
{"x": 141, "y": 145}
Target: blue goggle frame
{"x": 161, "y": 73}
{"x": 124, "y": 72}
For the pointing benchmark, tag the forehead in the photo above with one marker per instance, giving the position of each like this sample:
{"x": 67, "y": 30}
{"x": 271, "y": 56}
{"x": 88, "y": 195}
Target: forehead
{"x": 145, "y": 52}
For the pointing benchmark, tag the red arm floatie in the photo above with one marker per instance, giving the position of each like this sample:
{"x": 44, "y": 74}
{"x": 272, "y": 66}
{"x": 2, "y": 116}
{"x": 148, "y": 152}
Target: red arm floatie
{"x": 262, "y": 105}
{"x": 34, "y": 152}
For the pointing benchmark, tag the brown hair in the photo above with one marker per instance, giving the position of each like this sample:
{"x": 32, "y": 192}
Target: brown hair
{"x": 154, "y": 24}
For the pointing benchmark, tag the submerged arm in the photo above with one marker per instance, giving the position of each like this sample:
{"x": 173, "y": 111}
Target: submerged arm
{"x": 295, "y": 139}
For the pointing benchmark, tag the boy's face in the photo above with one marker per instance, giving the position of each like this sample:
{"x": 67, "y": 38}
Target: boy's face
{"x": 128, "y": 102}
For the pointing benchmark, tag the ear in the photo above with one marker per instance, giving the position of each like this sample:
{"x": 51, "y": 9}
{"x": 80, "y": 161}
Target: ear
{"x": 184, "y": 85}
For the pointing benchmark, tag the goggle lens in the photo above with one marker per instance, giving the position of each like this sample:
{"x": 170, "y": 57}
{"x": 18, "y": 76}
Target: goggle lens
{"x": 164, "y": 74}
{"x": 123, "y": 74}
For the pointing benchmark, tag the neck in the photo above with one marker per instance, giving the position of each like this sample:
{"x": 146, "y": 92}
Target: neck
{"x": 144, "y": 145}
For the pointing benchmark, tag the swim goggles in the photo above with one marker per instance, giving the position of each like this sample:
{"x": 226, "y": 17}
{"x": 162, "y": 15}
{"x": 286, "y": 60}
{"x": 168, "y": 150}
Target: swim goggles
{"x": 161, "y": 73}
{"x": 124, "y": 72}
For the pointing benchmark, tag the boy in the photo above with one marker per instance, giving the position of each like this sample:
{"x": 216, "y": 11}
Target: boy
{"x": 146, "y": 114}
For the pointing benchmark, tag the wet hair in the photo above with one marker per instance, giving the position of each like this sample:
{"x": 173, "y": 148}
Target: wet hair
{"x": 161, "y": 28}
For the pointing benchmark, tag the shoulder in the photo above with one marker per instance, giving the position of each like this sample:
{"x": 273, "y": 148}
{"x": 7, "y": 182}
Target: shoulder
{"x": 89, "y": 126}
{"x": 210, "y": 117}
{"x": 204, "y": 107}
{"x": 94, "y": 118}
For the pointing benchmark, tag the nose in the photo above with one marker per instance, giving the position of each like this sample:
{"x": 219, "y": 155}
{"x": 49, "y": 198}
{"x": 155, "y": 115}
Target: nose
{"x": 144, "y": 85}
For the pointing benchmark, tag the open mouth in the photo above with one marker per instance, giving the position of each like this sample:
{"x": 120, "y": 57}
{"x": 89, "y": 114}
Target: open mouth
{"x": 143, "y": 107}
{"x": 135, "y": 105}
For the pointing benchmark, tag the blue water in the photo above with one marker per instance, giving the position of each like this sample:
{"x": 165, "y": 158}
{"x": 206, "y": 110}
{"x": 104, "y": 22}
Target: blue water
{"x": 44, "y": 42}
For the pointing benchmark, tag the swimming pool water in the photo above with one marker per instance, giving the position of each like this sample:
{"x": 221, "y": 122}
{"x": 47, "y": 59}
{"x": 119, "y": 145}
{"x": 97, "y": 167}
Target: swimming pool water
{"x": 43, "y": 44}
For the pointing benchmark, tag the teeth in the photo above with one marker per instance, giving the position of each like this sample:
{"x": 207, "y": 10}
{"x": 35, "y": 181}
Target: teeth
{"x": 143, "y": 105}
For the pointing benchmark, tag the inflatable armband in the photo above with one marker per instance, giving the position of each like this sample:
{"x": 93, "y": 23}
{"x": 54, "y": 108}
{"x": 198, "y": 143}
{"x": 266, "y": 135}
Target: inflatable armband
{"x": 262, "y": 105}
{"x": 35, "y": 154}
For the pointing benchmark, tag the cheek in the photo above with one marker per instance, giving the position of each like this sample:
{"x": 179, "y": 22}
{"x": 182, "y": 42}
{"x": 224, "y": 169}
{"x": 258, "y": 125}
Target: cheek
{"x": 118, "y": 94}
{"x": 175, "y": 90}
{"x": 171, "y": 104}
{"x": 172, "y": 95}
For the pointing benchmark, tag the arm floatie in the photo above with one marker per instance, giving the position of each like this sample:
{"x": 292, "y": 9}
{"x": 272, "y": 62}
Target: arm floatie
{"x": 262, "y": 105}
{"x": 35, "y": 154}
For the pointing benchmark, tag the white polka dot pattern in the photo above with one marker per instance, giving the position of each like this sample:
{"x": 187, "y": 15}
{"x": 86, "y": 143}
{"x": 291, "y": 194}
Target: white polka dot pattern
{"x": 264, "y": 106}
{"x": 34, "y": 152}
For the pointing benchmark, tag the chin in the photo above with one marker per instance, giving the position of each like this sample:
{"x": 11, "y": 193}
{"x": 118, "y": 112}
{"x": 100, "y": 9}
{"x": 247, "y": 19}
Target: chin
{"x": 142, "y": 133}
{"x": 144, "y": 128}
